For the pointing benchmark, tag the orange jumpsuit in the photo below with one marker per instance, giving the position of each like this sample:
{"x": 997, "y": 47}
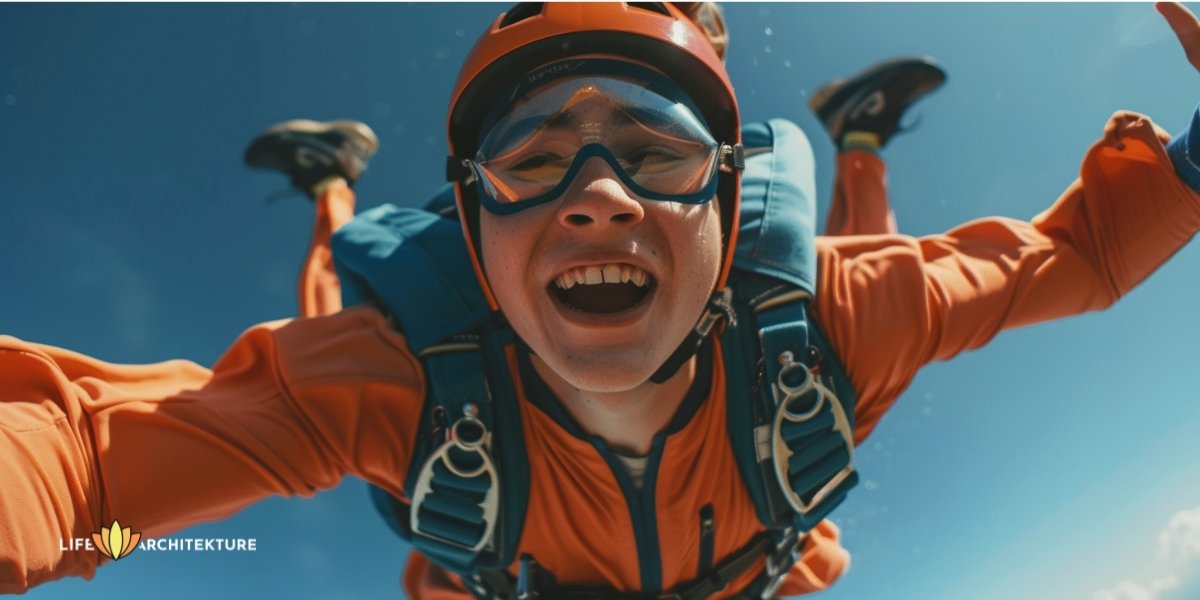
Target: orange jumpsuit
{"x": 295, "y": 405}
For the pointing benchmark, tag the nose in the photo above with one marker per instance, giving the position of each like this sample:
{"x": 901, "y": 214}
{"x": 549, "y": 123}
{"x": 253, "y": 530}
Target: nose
{"x": 597, "y": 199}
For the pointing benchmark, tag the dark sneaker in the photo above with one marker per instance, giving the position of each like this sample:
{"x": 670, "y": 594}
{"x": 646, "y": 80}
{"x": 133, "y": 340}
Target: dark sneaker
{"x": 311, "y": 151}
{"x": 873, "y": 101}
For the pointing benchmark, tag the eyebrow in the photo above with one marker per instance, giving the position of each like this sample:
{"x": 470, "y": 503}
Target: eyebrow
{"x": 630, "y": 117}
{"x": 565, "y": 120}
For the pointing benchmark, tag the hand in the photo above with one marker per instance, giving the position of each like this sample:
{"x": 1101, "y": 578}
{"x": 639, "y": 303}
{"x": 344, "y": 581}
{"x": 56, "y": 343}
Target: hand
{"x": 1186, "y": 27}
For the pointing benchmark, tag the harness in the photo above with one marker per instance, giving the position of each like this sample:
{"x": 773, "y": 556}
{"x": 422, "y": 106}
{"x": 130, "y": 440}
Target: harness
{"x": 790, "y": 407}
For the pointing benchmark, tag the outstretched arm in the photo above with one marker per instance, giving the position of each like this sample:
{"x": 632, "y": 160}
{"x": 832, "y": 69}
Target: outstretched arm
{"x": 893, "y": 303}
{"x": 289, "y": 409}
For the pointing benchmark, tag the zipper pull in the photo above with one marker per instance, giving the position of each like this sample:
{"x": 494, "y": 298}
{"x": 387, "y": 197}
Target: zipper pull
{"x": 706, "y": 540}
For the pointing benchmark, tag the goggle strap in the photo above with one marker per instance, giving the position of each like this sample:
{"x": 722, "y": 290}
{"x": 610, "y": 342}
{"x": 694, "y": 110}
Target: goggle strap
{"x": 458, "y": 169}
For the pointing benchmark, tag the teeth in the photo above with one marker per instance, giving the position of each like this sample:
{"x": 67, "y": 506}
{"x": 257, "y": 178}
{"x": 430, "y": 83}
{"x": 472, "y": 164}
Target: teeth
{"x": 597, "y": 274}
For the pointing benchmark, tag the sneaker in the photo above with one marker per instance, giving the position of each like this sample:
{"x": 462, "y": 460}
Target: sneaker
{"x": 311, "y": 151}
{"x": 874, "y": 100}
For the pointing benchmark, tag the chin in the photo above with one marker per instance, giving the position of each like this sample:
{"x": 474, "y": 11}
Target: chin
{"x": 595, "y": 372}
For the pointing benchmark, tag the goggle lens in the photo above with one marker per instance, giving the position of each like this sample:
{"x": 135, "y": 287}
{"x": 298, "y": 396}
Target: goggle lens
{"x": 658, "y": 147}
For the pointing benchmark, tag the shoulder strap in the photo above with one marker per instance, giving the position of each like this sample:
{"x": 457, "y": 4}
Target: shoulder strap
{"x": 468, "y": 475}
{"x": 791, "y": 407}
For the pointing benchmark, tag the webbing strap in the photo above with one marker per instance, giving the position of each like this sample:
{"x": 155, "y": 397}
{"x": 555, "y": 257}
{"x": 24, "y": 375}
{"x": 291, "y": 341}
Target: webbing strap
{"x": 810, "y": 450}
{"x": 777, "y": 550}
{"x": 455, "y": 501}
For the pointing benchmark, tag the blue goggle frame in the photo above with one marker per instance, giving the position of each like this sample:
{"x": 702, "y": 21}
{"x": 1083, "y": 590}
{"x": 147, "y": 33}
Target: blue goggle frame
{"x": 729, "y": 157}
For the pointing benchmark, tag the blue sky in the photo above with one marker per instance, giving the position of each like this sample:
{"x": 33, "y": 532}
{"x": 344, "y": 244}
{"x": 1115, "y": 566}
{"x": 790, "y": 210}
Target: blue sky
{"x": 1059, "y": 462}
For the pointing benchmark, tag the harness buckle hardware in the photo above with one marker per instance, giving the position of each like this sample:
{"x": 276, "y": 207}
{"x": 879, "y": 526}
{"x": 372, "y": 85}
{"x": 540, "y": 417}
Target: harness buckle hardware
{"x": 467, "y": 439}
{"x": 790, "y": 395}
{"x": 779, "y": 560}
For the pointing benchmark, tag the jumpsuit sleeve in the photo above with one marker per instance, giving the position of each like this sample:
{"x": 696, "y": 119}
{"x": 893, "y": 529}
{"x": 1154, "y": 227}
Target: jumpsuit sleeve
{"x": 289, "y": 409}
{"x": 891, "y": 304}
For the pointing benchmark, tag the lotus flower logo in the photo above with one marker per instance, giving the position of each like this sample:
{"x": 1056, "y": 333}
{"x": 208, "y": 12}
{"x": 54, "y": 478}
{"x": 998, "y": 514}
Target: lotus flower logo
{"x": 116, "y": 542}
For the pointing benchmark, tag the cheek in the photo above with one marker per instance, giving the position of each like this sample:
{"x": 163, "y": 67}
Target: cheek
{"x": 492, "y": 240}
{"x": 707, "y": 245}
{"x": 506, "y": 247}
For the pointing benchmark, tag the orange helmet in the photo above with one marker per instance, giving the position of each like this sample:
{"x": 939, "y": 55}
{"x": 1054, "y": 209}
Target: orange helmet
{"x": 534, "y": 34}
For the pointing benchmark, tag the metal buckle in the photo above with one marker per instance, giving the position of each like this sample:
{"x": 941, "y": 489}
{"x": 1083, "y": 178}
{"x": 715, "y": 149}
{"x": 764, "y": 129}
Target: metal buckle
{"x": 785, "y": 394}
{"x": 467, "y": 434}
{"x": 777, "y": 564}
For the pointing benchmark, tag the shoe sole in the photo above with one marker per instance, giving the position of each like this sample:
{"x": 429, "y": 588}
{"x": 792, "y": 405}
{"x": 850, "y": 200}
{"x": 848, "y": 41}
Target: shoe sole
{"x": 838, "y": 91}
{"x": 358, "y": 132}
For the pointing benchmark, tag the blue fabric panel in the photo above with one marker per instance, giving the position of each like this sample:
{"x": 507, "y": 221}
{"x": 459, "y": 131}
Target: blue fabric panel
{"x": 417, "y": 265}
{"x": 779, "y": 211}
{"x": 443, "y": 200}
{"x": 1184, "y": 151}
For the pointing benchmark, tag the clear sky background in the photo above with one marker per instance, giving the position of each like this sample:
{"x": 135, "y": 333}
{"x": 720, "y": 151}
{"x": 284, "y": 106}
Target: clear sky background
{"x": 1061, "y": 461}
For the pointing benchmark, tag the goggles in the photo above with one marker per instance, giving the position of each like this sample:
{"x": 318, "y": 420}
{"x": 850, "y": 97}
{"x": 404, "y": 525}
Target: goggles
{"x": 632, "y": 119}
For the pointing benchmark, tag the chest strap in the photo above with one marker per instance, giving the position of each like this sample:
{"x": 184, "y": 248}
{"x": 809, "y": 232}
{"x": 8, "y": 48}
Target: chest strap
{"x": 790, "y": 407}
{"x": 777, "y": 551}
{"x": 468, "y": 496}
{"x": 810, "y": 435}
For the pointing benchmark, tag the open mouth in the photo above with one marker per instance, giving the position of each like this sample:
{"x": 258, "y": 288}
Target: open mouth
{"x": 602, "y": 289}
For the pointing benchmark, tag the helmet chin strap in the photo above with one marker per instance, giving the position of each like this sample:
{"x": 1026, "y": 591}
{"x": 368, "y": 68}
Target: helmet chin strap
{"x": 719, "y": 306}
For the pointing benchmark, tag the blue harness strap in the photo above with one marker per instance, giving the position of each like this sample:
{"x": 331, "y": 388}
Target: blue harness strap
{"x": 468, "y": 476}
{"x": 790, "y": 404}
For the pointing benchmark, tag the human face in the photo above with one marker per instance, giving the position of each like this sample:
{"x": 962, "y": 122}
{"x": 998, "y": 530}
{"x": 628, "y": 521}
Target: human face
{"x": 598, "y": 229}
{"x": 597, "y": 335}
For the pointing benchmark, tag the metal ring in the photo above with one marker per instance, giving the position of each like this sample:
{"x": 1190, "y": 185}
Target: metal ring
{"x": 466, "y": 443}
{"x": 791, "y": 391}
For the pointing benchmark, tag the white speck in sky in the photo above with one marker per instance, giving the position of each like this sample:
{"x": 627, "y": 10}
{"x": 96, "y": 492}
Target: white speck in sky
{"x": 768, "y": 31}
{"x": 787, "y": 63}
{"x": 460, "y": 32}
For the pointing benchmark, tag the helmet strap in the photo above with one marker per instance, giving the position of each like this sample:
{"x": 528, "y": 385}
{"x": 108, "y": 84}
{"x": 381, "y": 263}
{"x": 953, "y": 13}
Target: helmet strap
{"x": 720, "y": 306}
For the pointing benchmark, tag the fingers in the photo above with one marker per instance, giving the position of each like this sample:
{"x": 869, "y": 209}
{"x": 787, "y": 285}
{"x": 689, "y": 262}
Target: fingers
{"x": 1186, "y": 28}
